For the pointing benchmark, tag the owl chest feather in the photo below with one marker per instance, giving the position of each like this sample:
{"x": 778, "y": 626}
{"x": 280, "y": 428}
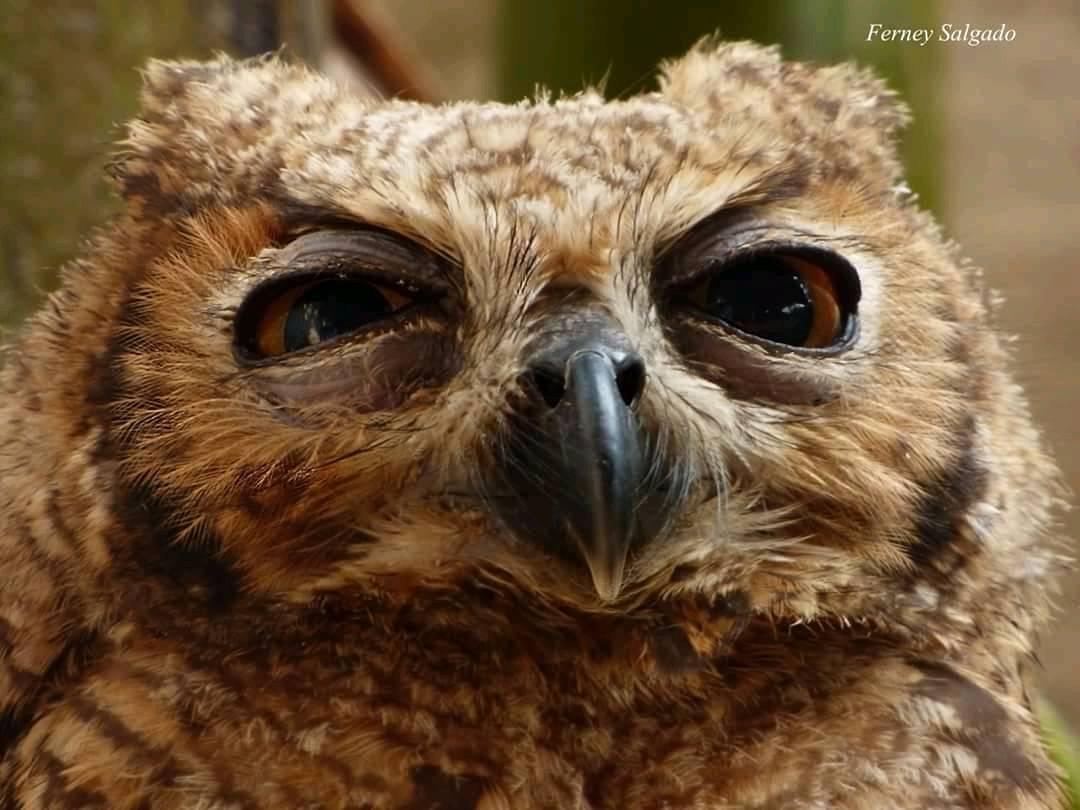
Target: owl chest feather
{"x": 421, "y": 711}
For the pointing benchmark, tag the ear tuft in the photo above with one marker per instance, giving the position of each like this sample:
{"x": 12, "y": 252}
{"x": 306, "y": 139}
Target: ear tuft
{"x": 713, "y": 65}
{"x": 211, "y": 131}
{"x": 843, "y": 103}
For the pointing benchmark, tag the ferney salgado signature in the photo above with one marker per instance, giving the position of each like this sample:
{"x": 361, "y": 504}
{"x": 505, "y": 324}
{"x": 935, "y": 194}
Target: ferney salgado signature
{"x": 969, "y": 34}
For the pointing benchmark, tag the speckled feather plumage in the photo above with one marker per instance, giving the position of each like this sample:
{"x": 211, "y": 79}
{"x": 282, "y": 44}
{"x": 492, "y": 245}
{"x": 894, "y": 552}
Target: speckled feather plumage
{"x": 213, "y": 595}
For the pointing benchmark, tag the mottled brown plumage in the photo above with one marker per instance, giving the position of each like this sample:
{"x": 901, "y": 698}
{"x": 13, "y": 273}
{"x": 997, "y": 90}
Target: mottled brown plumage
{"x": 342, "y": 578}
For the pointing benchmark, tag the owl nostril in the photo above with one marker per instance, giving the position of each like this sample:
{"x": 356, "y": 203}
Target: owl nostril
{"x": 630, "y": 378}
{"x": 549, "y": 380}
{"x": 550, "y": 385}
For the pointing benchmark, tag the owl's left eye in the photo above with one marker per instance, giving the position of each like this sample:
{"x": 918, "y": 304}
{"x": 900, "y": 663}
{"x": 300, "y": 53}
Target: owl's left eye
{"x": 785, "y": 298}
{"x": 307, "y": 314}
{"x": 780, "y": 298}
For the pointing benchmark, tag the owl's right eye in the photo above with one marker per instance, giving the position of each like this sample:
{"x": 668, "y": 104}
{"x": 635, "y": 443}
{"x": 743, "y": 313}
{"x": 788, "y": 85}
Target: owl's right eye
{"x": 310, "y": 313}
{"x": 338, "y": 284}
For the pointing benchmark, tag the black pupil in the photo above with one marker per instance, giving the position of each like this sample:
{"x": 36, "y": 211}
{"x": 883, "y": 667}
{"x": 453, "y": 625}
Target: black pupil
{"x": 764, "y": 297}
{"x": 331, "y": 309}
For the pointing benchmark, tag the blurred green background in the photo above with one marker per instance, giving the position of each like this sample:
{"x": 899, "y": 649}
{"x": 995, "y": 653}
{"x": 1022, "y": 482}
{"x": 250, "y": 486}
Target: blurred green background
{"x": 994, "y": 148}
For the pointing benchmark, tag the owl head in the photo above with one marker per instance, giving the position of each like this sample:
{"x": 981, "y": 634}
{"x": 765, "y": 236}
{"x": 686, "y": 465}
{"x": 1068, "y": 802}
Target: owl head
{"x": 694, "y": 351}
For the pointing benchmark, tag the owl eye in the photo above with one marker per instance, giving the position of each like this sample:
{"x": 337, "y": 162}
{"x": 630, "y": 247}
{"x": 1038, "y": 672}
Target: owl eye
{"x": 782, "y": 298}
{"x": 307, "y": 314}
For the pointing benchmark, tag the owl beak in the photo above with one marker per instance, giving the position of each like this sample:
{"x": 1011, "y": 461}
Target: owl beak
{"x": 575, "y": 458}
{"x": 602, "y": 465}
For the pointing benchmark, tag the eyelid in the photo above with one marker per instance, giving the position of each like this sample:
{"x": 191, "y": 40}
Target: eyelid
{"x": 725, "y": 237}
{"x": 840, "y": 271}
{"x": 374, "y": 254}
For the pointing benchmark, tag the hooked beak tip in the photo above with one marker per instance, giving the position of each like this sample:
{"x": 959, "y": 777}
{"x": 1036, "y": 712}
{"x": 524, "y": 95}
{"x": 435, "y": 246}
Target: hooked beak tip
{"x": 607, "y": 577}
{"x": 606, "y": 562}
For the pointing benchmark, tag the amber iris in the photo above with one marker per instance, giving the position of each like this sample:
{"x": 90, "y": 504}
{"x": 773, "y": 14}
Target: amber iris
{"x": 311, "y": 313}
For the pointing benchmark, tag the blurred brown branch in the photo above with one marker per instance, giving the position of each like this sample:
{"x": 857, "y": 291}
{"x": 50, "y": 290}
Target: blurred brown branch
{"x": 374, "y": 40}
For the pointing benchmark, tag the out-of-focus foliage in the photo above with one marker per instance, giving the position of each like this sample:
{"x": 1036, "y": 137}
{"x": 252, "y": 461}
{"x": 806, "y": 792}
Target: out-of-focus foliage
{"x": 68, "y": 77}
{"x": 1066, "y": 750}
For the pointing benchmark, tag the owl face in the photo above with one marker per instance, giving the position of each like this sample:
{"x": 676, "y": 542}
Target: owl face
{"x": 691, "y": 345}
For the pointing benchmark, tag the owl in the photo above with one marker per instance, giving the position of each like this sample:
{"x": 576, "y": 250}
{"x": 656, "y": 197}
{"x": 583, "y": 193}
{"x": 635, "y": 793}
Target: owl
{"x": 605, "y": 455}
